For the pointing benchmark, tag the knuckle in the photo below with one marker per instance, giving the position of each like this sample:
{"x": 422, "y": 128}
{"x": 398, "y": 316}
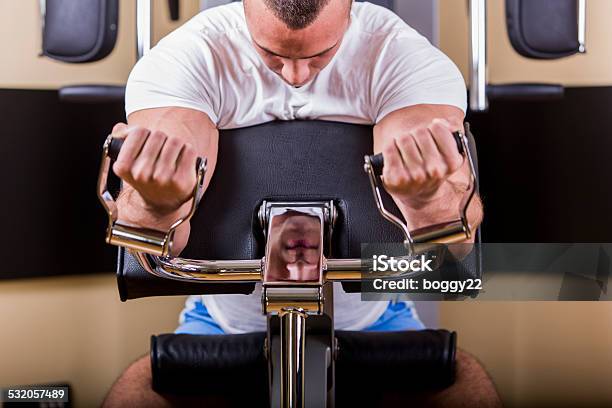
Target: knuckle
{"x": 119, "y": 127}
{"x": 120, "y": 168}
{"x": 137, "y": 131}
{"x": 405, "y": 139}
{"x": 162, "y": 177}
{"x": 173, "y": 142}
{"x": 140, "y": 175}
{"x": 456, "y": 162}
{"x": 189, "y": 155}
{"x": 156, "y": 136}
{"x": 388, "y": 149}
{"x": 418, "y": 176}
{"x": 438, "y": 126}
{"x": 436, "y": 171}
{"x": 189, "y": 149}
{"x": 421, "y": 133}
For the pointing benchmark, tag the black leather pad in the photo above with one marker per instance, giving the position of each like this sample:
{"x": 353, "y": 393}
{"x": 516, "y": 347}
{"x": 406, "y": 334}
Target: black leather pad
{"x": 368, "y": 364}
{"x": 229, "y": 366}
{"x": 543, "y": 29}
{"x": 80, "y": 30}
{"x": 406, "y": 358}
{"x": 297, "y": 160}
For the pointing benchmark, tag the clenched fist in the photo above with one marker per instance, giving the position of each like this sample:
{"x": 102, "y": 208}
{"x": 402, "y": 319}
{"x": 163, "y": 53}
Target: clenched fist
{"x": 418, "y": 162}
{"x": 161, "y": 168}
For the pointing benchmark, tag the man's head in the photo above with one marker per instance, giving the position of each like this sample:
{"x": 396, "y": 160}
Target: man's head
{"x": 297, "y": 38}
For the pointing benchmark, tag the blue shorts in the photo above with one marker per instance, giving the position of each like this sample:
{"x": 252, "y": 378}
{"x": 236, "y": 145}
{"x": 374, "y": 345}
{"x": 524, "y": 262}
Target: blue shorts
{"x": 195, "y": 319}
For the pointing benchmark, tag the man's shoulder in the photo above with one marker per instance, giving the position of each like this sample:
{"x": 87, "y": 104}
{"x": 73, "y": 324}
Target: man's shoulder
{"x": 377, "y": 20}
{"x": 220, "y": 19}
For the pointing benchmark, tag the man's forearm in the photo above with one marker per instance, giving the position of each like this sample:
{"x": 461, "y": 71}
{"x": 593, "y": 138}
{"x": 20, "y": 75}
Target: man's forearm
{"x": 444, "y": 207}
{"x": 133, "y": 210}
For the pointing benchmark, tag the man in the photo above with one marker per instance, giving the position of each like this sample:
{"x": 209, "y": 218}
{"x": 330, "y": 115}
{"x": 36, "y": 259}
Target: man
{"x": 244, "y": 64}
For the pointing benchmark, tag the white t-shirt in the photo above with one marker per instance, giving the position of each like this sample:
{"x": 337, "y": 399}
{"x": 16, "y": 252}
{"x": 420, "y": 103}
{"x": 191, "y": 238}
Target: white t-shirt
{"x": 210, "y": 65}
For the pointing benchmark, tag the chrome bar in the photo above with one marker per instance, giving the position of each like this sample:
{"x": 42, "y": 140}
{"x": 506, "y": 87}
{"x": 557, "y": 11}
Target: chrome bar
{"x": 293, "y": 344}
{"x": 478, "y": 55}
{"x": 582, "y": 26}
{"x": 389, "y": 216}
{"x": 250, "y": 271}
{"x": 143, "y": 27}
{"x": 194, "y": 271}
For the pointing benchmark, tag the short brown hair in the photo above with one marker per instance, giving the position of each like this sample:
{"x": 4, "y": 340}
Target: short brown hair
{"x": 296, "y": 14}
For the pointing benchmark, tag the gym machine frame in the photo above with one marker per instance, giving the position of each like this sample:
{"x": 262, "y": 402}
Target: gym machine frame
{"x": 291, "y": 301}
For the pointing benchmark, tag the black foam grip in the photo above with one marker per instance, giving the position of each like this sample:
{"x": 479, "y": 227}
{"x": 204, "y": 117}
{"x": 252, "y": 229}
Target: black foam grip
{"x": 378, "y": 162}
{"x": 114, "y": 148}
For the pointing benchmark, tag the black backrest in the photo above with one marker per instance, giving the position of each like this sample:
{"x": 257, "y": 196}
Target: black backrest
{"x": 297, "y": 160}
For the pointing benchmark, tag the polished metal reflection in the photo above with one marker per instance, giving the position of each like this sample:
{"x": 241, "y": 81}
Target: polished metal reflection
{"x": 294, "y": 246}
{"x": 247, "y": 271}
{"x": 293, "y": 344}
{"x": 307, "y": 298}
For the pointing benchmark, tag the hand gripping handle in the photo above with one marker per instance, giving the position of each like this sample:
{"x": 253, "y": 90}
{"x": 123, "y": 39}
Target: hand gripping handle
{"x": 442, "y": 233}
{"x": 150, "y": 241}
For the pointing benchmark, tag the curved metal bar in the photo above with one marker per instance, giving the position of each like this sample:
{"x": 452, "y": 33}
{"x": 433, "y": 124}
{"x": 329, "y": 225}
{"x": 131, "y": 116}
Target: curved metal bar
{"x": 192, "y": 270}
{"x": 246, "y": 271}
{"x": 389, "y": 216}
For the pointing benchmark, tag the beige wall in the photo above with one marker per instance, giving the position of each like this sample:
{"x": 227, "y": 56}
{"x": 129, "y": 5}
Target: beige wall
{"x": 73, "y": 329}
{"x": 20, "y": 44}
{"x": 505, "y": 65}
{"x": 76, "y": 329}
{"x": 539, "y": 353}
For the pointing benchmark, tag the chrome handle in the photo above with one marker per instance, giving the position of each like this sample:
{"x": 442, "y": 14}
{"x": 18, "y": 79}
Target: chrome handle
{"x": 443, "y": 233}
{"x": 136, "y": 238}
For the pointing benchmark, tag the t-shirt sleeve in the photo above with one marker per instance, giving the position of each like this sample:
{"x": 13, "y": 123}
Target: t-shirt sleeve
{"x": 411, "y": 71}
{"x": 180, "y": 71}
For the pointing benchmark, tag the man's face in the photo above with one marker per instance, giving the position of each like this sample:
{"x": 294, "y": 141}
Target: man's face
{"x": 297, "y": 56}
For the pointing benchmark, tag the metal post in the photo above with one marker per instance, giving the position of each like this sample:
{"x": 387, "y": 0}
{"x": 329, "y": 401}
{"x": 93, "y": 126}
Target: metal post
{"x": 582, "y": 26}
{"x": 293, "y": 341}
{"x": 478, "y": 55}
{"x": 143, "y": 27}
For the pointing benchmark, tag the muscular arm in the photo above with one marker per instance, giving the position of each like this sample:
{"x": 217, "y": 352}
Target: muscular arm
{"x": 191, "y": 129}
{"x": 422, "y": 181}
